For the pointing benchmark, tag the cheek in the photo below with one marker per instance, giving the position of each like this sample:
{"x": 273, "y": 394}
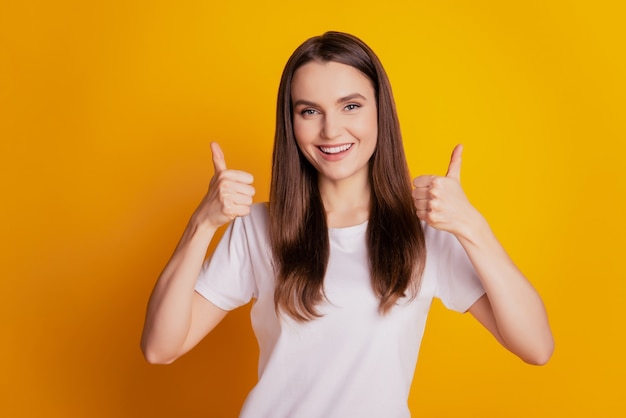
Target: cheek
{"x": 368, "y": 123}
{"x": 367, "y": 129}
{"x": 303, "y": 136}
{"x": 301, "y": 131}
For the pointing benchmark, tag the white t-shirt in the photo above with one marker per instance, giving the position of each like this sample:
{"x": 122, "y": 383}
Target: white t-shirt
{"x": 353, "y": 361}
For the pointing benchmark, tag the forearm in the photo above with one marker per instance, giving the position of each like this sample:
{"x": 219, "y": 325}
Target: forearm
{"x": 518, "y": 310}
{"x": 169, "y": 313}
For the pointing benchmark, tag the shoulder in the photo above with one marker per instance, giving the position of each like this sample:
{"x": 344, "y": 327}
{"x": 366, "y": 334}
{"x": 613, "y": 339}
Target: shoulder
{"x": 259, "y": 212}
{"x": 438, "y": 242}
{"x": 256, "y": 222}
{"x": 435, "y": 238}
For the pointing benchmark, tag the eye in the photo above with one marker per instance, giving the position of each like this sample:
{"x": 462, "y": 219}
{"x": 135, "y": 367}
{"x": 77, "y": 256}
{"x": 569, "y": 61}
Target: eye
{"x": 308, "y": 112}
{"x": 352, "y": 106}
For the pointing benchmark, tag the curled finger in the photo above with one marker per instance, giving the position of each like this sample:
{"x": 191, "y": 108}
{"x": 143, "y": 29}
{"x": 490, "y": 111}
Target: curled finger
{"x": 423, "y": 181}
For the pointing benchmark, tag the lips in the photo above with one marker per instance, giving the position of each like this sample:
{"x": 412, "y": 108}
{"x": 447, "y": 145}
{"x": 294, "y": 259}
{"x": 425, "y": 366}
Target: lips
{"x": 335, "y": 149}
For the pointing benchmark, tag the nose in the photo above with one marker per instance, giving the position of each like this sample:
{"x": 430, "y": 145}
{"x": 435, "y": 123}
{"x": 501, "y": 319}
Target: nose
{"x": 331, "y": 127}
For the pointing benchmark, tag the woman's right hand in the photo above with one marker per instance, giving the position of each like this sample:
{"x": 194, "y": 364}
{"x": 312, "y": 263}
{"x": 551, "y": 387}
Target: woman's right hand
{"x": 229, "y": 196}
{"x": 177, "y": 317}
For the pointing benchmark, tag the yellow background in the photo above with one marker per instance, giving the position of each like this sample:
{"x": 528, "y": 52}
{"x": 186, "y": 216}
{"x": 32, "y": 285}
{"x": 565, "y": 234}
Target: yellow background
{"x": 106, "y": 114}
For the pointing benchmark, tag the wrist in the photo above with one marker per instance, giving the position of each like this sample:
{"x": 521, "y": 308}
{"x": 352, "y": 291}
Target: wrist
{"x": 475, "y": 229}
{"x": 199, "y": 226}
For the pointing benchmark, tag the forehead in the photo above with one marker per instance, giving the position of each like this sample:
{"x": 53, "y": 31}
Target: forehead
{"x": 327, "y": 81}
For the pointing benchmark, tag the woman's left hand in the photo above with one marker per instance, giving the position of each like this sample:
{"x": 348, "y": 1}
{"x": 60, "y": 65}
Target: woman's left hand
{"x": 441, "y": 201}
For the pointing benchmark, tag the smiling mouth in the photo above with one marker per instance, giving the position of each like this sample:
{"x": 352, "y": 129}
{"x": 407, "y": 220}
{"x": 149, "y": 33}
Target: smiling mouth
{"x": 335, "y": 150}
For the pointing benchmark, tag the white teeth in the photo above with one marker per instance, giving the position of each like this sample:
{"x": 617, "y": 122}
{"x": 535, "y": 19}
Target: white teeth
{"x": 335, "y": 150}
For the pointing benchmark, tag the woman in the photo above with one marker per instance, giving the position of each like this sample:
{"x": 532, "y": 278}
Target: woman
{"x": 341, "y": 269}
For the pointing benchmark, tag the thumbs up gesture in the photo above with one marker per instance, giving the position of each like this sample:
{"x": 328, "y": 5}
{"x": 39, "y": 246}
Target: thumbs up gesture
{"x": 441, "y": 201}
{"x": 229, "y": 196}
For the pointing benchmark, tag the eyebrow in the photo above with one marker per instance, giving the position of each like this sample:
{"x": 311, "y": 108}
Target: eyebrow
{"x": 340, "y": 100}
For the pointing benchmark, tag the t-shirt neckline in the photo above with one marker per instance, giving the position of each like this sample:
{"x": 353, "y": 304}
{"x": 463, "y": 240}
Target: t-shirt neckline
{"x": 348, "y": 230}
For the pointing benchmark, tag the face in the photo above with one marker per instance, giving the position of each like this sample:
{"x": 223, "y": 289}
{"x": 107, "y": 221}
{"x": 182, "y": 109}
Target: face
{"x": 335, "y": 119}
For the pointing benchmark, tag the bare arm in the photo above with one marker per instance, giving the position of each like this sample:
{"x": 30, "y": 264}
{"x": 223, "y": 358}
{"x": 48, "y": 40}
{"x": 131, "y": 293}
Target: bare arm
{"x": 511, "y": 309}
{"x": 177, "y": 317}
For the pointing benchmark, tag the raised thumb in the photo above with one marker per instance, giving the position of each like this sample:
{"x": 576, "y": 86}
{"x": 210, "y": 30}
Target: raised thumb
{"x": 454, "y": 169}
{"x": 219, "y": 163}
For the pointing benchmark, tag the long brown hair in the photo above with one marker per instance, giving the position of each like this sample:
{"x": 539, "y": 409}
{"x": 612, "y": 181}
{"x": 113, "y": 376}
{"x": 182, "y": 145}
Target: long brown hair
{"x": 298, "y": 229}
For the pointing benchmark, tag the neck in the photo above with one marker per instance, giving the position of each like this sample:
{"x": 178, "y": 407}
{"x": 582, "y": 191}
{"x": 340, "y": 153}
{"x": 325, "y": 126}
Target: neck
{"x": 347, "y": 203}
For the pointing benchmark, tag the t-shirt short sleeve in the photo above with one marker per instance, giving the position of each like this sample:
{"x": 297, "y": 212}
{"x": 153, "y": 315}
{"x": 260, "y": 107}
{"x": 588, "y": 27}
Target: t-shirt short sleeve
{"x": 227, "y": 276}
{"x": 458, "y": 285}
